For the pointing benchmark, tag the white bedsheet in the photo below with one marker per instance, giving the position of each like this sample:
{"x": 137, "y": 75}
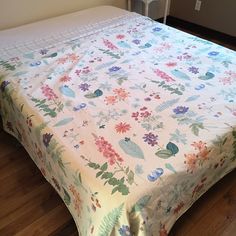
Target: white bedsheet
{"x": 47, "y": 32}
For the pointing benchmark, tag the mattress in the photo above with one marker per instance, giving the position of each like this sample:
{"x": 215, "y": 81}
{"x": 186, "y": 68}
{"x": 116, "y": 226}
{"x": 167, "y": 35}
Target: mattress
{"x": 130, "y": 120}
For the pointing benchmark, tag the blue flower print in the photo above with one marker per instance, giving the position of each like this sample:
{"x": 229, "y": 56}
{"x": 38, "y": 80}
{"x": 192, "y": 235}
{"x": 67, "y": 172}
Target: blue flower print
{"x": 180, "y": 110}
{"x": 213, "y": 53}
{"x": 156, "y": 29}
{"x": 125, "y": 230}
{"x": 155, "y": 174}
{"x": 138, "y": 169}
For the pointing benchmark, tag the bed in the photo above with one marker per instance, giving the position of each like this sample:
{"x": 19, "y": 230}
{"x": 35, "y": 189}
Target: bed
{"x": 130, "y": 120}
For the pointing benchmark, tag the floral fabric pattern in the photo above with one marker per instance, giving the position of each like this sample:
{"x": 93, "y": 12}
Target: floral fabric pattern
{"x": 131, "y": 124}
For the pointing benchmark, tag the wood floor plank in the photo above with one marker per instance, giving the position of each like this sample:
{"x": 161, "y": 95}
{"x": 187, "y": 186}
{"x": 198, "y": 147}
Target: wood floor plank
{"x": 30, "y": 212}
{"x": 42, "y": 225}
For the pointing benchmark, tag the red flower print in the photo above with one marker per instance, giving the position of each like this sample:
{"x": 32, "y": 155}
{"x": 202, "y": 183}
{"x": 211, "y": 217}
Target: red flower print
{"x": 163, "y": 231}
{"x": 135, "y": 115}
{"x": 120, "y": 36}
{"x": 178, "y": 208}
{"x": 191, "y": 161}
{"x": 111, "y": 100}
{"x": 77, "y": 72}
{"x": 77, "y": 200}
{"x": 121, "y": 93}
{"x": 199, "y": 145}
{"x": 226, "y": 80}
{"x": 202, "y": 148}
{"x": 163, "y": 75}
{"x": 145, "y": 114}
{"x": 122, "y": 127}
{"x": 72, "y": 57}
{"x": 109, "y": 44}
{"x": 107, "y": 151}
{"x": 62, "y": 60}
{"x": 171, "y": 64}
{"x": 48, "y": 92}
{"x": 65, "y": 78}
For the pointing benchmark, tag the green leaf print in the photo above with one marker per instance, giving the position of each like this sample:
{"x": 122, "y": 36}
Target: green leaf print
{"x": 172, "y": 147}
{"x": 195, "y": 128}
{"x": 141, "y": 203}
{"x": 109, "y": 221}
{"x": 67, "y": 199}
{"x": 64, "y": 122}
{"x": 7, "y": 65}
{"x": 164, "y": 154}
{"x": 131, "y": 148}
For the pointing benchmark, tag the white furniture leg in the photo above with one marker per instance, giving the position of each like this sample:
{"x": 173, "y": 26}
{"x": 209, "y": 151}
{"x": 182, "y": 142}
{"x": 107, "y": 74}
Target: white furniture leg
{"x": 146, "y": 8}
{"x": 166, "y": 9}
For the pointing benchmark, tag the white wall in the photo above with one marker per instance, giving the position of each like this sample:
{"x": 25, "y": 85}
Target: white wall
{"x": 17, "y": 12}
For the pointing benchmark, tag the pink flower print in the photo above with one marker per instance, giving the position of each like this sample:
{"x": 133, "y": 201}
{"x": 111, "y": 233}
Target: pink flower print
{"x": 120, "y": 36}
{"x": 110, "y": 100}
{"x": 107, "y": 151}
{"x": 109, "y": 44}
{"x": 65, "y": 78}
{"x": 163, "y": 75}
{"x": 122, "y": 127}
{"x": 48, "y": 92}
{"x": 121, "y": 93}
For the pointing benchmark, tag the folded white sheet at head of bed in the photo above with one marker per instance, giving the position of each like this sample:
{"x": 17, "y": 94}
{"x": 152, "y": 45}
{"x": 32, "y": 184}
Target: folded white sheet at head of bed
{"x": 46, "y": 32}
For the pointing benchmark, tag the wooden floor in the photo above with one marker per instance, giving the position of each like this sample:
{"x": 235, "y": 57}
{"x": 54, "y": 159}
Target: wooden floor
{"x": 29, "y": 206}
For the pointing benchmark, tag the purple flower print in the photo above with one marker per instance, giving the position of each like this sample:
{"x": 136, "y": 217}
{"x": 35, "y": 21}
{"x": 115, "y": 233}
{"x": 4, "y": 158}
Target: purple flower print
{"x": 193, "y": 69}
{"x": 136, "y": 41}
{"x": 46, "y": 139}
{"x": 4, "y": 85}
{"x": 84, "y": 87}
{"x": 43, "y": 51}
{"x": 10, "y": 126}
{"x": 180, "y": 110}
{"x": 151, "y": 139}
{"x": 114, "y": 69}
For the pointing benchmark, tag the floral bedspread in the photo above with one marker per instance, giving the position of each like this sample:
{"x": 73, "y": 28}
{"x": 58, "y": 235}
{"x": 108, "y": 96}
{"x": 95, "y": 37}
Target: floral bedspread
{"x": 130, "y": 123}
